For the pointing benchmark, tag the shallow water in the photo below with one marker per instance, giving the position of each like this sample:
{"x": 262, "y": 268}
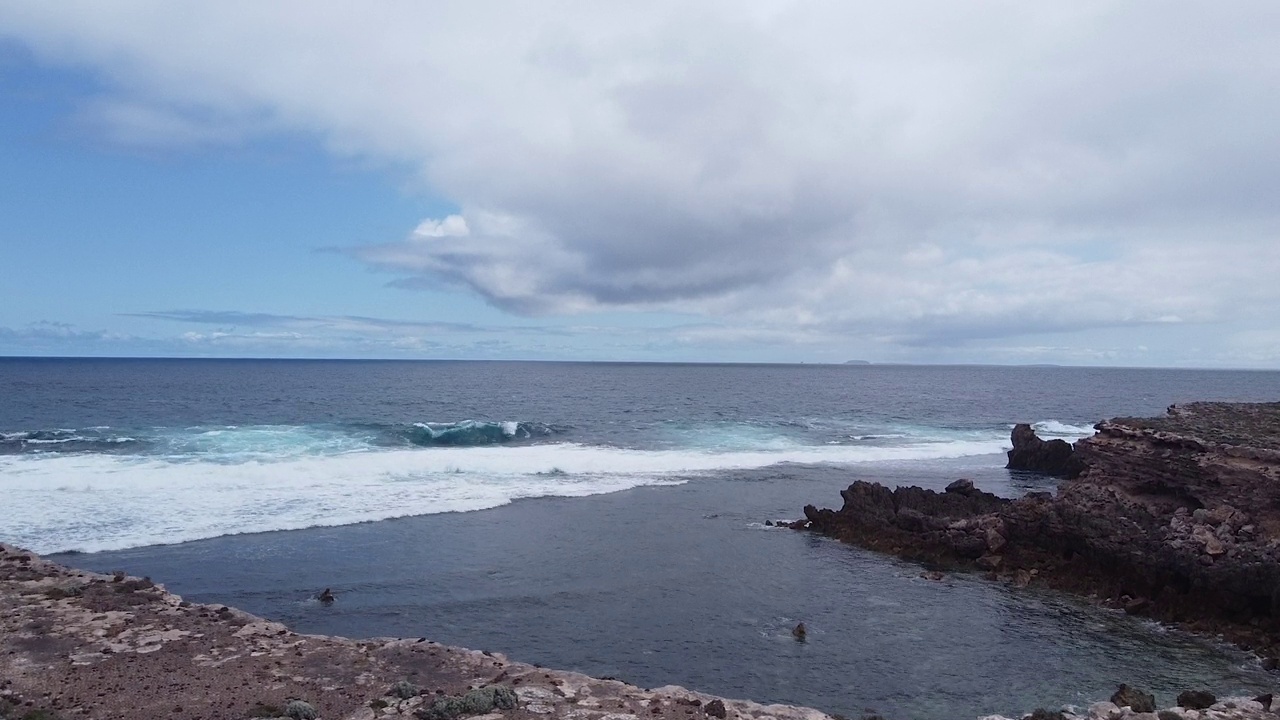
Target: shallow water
{"x": 686, "y": 585}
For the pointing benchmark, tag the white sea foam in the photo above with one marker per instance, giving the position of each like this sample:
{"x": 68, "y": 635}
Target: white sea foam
{"x": 260, "y": 442}
{"x": 1055, "y": 429}
{"x": 94, "y": 502}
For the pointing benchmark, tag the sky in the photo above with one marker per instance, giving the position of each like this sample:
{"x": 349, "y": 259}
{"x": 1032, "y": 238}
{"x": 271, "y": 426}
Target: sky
{"x": 1085, "y": 183}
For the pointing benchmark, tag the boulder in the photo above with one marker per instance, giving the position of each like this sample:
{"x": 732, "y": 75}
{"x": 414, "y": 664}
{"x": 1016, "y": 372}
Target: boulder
{"x": 1134, "y": 699}
{"x": 1196, "y": 699}
{"x": 1052, "y": 457}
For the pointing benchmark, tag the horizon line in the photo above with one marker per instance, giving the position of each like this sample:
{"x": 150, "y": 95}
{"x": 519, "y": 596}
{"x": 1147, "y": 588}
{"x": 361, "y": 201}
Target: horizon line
{"x": 847, "y": 363}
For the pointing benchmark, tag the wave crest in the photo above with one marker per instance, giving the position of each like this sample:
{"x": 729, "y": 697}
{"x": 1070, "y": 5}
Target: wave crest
{"x": 475, "y": 432}
{"x": 66, "y": 440}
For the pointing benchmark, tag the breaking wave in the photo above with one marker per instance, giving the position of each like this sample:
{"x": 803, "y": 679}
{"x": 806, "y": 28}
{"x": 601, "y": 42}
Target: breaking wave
{"x": 64, "y": 440}
{"x": 245, "y": 442}
{"x": 472, "y": 432}
{"x": 1055, "y": 429}
{"x": 91, "y": 502}
{"x": 105, "y": 488}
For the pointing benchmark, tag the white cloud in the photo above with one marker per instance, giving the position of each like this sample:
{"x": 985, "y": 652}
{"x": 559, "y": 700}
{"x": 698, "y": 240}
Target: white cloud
{"x": 451, "y": 226}
{"x": 926, "y": 173}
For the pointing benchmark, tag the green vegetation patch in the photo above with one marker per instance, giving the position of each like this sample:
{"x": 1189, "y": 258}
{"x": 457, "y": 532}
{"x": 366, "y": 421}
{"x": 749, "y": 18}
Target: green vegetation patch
{"x": 476, "y": 702}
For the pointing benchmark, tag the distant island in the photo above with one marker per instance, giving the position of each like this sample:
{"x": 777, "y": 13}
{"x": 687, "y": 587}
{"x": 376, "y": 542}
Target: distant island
{"x": 857, "y": 362}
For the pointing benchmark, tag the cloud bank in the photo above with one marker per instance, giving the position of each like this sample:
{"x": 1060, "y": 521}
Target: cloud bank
{"x": 921, "y": 173}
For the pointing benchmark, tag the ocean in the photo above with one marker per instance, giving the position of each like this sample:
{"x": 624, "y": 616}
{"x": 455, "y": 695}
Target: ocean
{"x": 607, "y": 518}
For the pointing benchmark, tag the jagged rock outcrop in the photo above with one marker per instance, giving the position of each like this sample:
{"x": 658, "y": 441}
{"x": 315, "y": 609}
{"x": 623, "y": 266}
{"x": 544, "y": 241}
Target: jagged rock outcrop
{"x": 1053, "y": 457}
{"x": 1175, "y": 517}
{"x": 920, "y": 524}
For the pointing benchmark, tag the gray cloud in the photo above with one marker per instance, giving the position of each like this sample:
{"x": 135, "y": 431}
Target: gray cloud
{"x": 927, "y": 173}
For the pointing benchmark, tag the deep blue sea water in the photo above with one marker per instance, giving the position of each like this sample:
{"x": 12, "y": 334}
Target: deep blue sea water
{"x": 600, "y": 517}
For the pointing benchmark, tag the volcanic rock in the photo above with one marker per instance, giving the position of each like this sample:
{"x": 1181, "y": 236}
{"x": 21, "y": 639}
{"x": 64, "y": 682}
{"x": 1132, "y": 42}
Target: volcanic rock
{"x": 1176, "y": 518}
{"x": 1053, "y": 457}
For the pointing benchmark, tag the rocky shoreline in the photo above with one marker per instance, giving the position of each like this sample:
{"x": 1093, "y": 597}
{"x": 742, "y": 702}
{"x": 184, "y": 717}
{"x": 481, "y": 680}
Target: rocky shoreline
{"x": 1175, "y": 518}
